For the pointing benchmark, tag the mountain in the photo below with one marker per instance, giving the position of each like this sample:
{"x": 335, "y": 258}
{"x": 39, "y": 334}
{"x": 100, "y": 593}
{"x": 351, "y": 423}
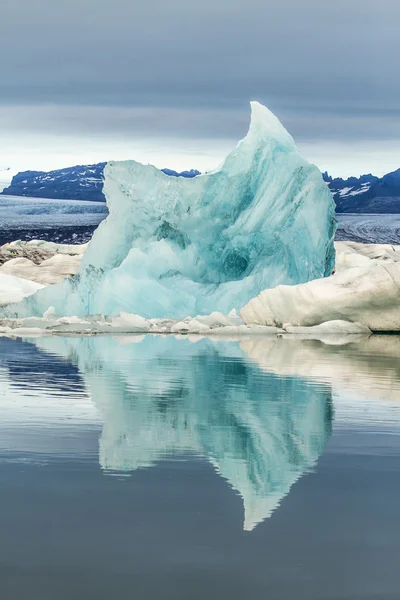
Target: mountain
{"x": 82, "y": 182}
{"x": 366, "y": 194}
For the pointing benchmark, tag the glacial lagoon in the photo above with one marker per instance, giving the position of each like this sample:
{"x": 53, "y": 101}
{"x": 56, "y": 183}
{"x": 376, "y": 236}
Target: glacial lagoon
{"x": 190, "y": 468}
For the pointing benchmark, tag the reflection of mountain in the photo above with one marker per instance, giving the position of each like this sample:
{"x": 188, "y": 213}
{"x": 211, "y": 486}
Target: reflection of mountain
{"x": 29, "y": 368}
{"x": 161, "y": 396}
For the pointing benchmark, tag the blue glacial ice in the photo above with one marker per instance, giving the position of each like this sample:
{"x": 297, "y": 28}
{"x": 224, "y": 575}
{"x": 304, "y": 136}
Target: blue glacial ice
{"x": 174, "y": 247}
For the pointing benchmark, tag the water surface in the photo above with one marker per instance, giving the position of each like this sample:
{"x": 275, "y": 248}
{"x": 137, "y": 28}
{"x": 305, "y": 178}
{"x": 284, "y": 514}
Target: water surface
{"x": 171, "y": 468}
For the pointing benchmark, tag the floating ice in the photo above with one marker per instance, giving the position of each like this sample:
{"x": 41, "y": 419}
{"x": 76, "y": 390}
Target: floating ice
{"x": 51, "y": 270}
{"x": 40, "y": 261}
{"x": 172, "y": 247}
{"x": 14, "y": 289}
{"x": 368, "y": 295}
{"x": 215, "y": 324}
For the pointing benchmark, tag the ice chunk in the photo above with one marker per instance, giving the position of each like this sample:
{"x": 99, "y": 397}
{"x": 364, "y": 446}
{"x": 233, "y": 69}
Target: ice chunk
{"x": 46, "y": 247}
{"x": 172, "y": 247}
{"x": 50, "y": 313}
{"x": 13, "y": 289}
{"x": 190, "y": 326}
{"x": 367, "y": 295}
{"x": 383, "y": 252}
{"x": 49, "y": 271}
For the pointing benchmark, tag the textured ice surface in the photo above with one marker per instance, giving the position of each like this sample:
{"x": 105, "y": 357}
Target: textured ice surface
{"x": 173, "y": 247}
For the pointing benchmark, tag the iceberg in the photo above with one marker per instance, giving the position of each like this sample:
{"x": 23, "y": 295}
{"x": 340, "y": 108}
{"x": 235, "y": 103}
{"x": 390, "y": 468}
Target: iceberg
{"x": 174, "y": 247}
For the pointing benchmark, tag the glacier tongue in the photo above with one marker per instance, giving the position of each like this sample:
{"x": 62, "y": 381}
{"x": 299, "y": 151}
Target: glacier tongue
{"x": 173, "y": 247}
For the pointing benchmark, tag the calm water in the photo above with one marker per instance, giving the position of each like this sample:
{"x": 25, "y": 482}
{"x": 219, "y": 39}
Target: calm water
{"x": 163, "y": 468}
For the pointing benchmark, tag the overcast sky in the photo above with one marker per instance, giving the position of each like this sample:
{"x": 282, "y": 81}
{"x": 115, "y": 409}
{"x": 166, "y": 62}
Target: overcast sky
{"x": 169, "y": 82}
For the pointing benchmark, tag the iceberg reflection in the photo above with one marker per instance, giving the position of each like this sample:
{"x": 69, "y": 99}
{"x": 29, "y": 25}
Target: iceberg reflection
{"x": 163, "y": 396}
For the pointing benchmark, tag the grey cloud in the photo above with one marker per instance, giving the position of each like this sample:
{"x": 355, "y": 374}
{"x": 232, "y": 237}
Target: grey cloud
{"x": 185, "y": 123}
{"x": 328, "y": 69}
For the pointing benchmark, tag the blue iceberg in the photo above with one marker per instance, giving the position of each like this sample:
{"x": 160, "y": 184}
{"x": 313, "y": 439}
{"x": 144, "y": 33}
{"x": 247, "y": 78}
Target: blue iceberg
{"x": 174, "y": 247}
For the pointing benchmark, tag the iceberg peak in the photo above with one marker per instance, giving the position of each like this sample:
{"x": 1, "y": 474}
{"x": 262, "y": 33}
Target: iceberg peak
{"x": 263, "y": 121}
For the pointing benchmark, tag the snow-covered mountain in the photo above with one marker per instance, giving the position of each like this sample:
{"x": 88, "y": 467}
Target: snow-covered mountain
{"x": 366, "y": 194}
{"x": 82, "y": 182}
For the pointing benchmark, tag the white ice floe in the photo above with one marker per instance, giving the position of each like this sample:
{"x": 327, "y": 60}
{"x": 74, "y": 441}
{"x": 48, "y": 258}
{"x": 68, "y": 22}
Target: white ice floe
{"x": 50, "y": 247}
{"x": 214, "y": 324}
{"x": 14, "y": 289}
{"x": 369, "y": 295}
{"x": 48, "y": 272}
{"x": 354, "y": 254}
{"x": 44, "y": 262}
{"x": 364, "y": 290}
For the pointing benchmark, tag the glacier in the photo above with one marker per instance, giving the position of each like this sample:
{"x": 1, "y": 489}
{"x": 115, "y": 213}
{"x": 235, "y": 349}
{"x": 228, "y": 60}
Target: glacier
{"x": 174, "y": 247}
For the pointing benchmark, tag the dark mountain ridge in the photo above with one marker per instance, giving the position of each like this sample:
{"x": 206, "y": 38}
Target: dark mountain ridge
{"x": 366, "y": 194}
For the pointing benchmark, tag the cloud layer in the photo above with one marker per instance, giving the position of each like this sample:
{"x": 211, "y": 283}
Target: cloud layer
{"x": 123, "y": 70}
